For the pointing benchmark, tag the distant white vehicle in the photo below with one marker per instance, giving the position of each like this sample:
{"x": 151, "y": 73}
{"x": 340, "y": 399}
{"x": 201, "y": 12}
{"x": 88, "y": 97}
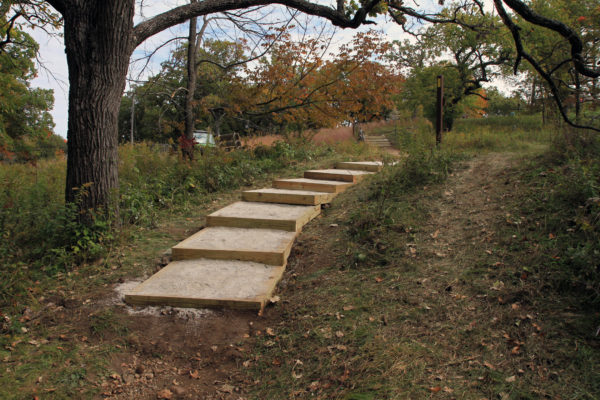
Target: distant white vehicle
{"x": 204, "y": 138}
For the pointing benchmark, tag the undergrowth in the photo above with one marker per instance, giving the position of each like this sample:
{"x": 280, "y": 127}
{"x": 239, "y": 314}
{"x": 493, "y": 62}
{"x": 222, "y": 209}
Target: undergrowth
{"x": 387, "y": 210}
{"x": 559, "y": 220}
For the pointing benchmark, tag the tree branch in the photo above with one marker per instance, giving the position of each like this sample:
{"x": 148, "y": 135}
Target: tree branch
{"x": 178, "y": 15}
{"x": 60, "y": 5}
{"x": 565, "y": 31}
{"x": 9, "y": 28}
{"x": 522, "y": 54}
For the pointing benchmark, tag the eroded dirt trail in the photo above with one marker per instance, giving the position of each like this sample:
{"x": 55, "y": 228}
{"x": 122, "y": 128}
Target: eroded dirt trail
{"x": 462, "y": 218}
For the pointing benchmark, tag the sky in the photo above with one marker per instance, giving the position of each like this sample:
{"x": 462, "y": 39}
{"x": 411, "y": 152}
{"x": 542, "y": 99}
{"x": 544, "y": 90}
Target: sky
{"x": 52, "y": 69}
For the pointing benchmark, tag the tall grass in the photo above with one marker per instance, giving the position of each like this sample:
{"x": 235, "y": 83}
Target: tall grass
{"x": 499, "y": 133}
{"x": 513, "y": 133}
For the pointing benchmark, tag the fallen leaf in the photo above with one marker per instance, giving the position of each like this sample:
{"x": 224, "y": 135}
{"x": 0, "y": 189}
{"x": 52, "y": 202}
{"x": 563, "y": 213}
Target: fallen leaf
{"x": 345, "y": 376}
{"x": 226, "y": 388}
{"x": 378, "y": 279}
{"x": 435, "y": 234}
{"x": 294, "y": 374}
{"x": 164, "y": 394}
{"x": 246, "y": 363}
{"x": 511, "y": 379}
{"x": 551, "y": 236}
{"x": 488, "y": 365}
{"x": 515, "y": 350}
{"x": 448, "y": 390}
{"x": 274, "y": 299}
{"x": 339, "y": 334}
{"x": 270, "y": 331}
{"x": 435, "y": 389}
{"x": 195, "y": 374}
{"x": 498, "y": 285}
{"x": 489, "y": 252}
{"x": 348, "y": 308}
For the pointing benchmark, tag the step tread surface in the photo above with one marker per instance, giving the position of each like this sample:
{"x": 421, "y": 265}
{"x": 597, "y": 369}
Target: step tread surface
{"x": 206, "y": 282}
{"x": 246, "y": 214}
{"x": 270, "y": 246}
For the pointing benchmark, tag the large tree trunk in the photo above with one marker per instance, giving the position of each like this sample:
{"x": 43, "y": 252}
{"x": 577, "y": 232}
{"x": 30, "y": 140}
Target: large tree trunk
{"x": 98, "y": 46}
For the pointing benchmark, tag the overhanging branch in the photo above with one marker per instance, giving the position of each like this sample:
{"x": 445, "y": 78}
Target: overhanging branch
{"x": 178, "y": 15}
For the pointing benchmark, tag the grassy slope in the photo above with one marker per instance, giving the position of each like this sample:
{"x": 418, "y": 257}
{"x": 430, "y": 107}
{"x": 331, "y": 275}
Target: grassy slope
{"x": 442, "y": 290}
{"x": 411, "y": 287}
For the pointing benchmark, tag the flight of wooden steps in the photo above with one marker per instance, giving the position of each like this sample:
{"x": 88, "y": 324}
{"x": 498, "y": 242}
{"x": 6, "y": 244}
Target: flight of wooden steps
{"x": 378, "y": 141}
{"x": 237, "y": 260}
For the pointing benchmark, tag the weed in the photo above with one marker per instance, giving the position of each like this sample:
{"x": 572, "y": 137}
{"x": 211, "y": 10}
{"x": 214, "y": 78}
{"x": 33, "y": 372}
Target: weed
{"x": 105, "y": 323}
{"x": 386, "y": 214}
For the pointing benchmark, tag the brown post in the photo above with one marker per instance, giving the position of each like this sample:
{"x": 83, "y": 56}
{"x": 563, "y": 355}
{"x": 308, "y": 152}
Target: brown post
{"x": 439, "y": 110}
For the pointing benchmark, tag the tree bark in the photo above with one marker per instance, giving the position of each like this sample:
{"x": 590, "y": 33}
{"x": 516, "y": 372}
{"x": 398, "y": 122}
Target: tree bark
{"x": 191, "y": 80}
{"x": 98, "y": 47}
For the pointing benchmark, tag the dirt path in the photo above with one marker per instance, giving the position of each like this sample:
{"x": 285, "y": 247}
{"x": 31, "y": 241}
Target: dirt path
{"x": 462, "y": 218}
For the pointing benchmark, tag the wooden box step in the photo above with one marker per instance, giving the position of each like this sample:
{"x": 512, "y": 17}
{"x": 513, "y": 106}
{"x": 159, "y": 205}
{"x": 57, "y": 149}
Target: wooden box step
{"x": 286, "y": 196}
{"x": 343, "y": 175}
{"x": 209, "y": 283}
{"x": 370, "y": 166}
{"x": 267, "y": 246}
{"x": 244, "y": 214}
{"x": 316, "y": 185}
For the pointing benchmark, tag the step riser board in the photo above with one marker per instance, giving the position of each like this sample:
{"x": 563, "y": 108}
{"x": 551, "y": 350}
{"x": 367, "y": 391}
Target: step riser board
{"x": 285, "y": 198}
{"x": 333, "y": 175}
{"x": 315, "y": 185}
{"x": 371, "y": 167}
{"x": 271, "y": 258}
{"x": 248, "y": 215}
